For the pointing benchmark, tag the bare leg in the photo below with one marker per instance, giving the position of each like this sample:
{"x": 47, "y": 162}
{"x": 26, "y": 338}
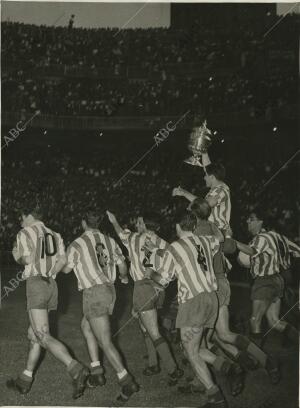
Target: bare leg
{"x": 40, "y": 325}
{"x": 191, "y": 345}
{"x": 101, "y": 329}
{"x": 91, "y": 340}
{"x": 34, "y": 351}
{"x": 149, "y": 320}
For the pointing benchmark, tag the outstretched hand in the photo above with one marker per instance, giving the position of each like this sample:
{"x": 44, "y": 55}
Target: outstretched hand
{"x": 149, "y": 245}
{"x": 177, "y": 191}
{"x": 111, "y": 217}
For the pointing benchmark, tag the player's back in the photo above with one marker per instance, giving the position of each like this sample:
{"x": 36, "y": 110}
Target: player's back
{"x": 194, "y": 257}
{"x": 94, "y": 257}
{"x": 43, "y": 246}
{"x": 138, "y": 254}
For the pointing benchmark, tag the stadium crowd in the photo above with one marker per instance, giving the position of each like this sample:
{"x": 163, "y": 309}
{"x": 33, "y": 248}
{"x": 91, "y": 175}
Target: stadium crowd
{"x": 81, "y": 182}
{"x": 173, "y": 70}
{"x": 139, "y": 98}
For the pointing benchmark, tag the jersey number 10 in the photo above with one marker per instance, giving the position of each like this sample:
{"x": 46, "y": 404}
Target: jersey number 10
{"x": 49, "y": 247}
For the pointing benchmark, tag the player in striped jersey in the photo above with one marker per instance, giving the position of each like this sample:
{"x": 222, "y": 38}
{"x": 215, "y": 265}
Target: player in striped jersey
{"x": 190, "y": 260}
{"x": 93, "y": 257}
{"x": 238, "y": 346}
{"x": 42, "y": 252}
{"x": 267, "y": 289}
{"x": 147, "y": 294}
{"x": 286, "y": 249}
{"x": 218, "y": 197}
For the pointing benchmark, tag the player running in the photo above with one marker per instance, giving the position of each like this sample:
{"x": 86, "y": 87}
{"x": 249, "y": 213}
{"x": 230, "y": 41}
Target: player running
{"x": 190, "y": 260}
{"x": 238, "y": 346}
{"x": 42, "y": 252}
{"x": 147, "y": 294}
{"x": 265, "y": 264}
{"x": 93, "y": 257}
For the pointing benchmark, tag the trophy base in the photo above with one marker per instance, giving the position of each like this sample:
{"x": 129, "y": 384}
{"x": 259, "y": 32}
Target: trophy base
{"x": 193, "y": 161}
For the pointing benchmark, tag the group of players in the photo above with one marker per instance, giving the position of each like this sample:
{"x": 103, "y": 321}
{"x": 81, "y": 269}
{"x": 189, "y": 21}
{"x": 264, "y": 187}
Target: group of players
{"x": 196, "y": 259}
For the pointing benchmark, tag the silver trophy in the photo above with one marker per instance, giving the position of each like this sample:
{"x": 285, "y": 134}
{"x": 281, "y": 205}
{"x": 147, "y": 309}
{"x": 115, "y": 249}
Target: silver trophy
{"x": 200, "y": 140}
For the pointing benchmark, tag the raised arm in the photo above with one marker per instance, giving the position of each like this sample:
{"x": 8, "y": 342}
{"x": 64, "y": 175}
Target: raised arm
{"x": 180, "y": 192}
{"x": 112, "y": 218}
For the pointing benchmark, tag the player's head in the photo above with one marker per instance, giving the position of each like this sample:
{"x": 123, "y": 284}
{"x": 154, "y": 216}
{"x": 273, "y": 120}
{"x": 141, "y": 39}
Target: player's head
{"x": 255, "y": 222}
{"x": 185, "y": 222}
{"x": 30, "y": 214}
{"x": 214, "y": 173}
{"x": 148, "y": 222}
{"x": 91, "y": 219}
{"x": 200, "y": 208}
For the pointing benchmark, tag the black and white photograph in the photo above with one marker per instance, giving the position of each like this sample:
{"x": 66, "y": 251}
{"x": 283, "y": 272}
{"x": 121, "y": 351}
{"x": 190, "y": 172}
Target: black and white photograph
{"x": 150, "y": 202}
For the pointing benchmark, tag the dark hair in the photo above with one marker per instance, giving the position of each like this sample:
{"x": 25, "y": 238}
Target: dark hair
{"x": 201, "y": 208}
{"x": 152, "y": 221}
{"x": 259, "y": 212}
{"x": 217, "y": 170}
{"x": 187, "y": 220}
{"x": 32, "y": 209}
{"x": 92, "y": 219}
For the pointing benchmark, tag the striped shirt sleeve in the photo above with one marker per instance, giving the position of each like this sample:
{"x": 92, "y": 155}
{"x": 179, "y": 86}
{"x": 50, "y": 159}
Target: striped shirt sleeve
{"x": 71, "y": 256}
{"x": 167, "y": 269}
{"x": 24, "y": 246}
{"x": 61, "y": 246}
{"x": 260, "y": 245}
{"x": 293, "y": 248}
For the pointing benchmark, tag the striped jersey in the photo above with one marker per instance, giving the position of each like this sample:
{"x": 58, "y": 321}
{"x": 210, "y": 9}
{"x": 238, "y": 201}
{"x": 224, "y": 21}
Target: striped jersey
{"x": 265, "y": 261}
{"x": 140, "y": 258}
{"x": 220, "y": 213}
{"x": 43, "y": 245}
{"x": 190, "y": 260}
{"x": 207, "y": 228}
{"x": 93, "y": 257}
{"x": 285, "y": 249}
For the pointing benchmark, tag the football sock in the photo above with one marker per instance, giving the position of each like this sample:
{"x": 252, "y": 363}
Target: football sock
{"x": 257, "y": 338}
{"x": 28, "y": 373}
{"x": 221, "y": 365}
{"x": 291, "y": 333}
{"x": 245, "y": 344}
{"x": 122, "y": 374}
{"x": 73, "y": 368}
{"x": 95, "y": 364}
{"x": 164, "y": 352}
{"x": 96, "y": 368}
{"x": 151, "y": 350}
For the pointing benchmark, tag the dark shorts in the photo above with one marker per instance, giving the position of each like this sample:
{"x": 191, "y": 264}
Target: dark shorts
{"x": 223, "y": 291}
{"x": 99, "y": 300}
{"x": 269, "y": 288}
{"x": 147, "y": 295}
{"x": 200, "y": 311}
{"x": 41, "y": 293}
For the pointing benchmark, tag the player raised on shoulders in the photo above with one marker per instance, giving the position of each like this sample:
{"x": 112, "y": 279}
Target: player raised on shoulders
{"x": 218, "y": 197}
